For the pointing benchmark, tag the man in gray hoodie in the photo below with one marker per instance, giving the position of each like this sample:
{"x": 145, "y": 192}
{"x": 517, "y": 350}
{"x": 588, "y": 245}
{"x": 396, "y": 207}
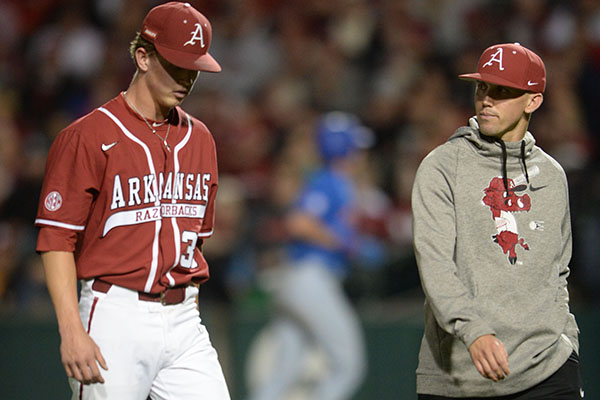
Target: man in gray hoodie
{"x": 492, "y": 238}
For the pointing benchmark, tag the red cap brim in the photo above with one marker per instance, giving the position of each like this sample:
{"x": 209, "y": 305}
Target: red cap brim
{"x": 493, "y": 79}
{"x": 186, "y": 60}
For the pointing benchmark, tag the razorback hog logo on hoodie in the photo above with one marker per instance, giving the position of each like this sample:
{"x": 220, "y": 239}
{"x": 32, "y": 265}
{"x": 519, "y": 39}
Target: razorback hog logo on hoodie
{"x": 503, "y": 204}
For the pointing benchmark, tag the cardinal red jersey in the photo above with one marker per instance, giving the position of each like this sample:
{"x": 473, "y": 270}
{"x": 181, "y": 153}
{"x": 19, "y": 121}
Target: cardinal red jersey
{"x": 132, "y": 210}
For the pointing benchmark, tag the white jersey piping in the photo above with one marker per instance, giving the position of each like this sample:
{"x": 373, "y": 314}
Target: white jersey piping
{"x": 176, "y": 233}
{"x": 158, "y": 223}
{"x": 42, "y": 221}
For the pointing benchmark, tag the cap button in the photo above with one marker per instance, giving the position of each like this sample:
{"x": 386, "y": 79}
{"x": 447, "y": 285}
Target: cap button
{"x": 186, "y": 4}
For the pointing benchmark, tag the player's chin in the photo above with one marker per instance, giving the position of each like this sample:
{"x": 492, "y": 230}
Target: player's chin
{"x": 488, "y": 129}
{"x": 172, "y": 100}
{"x": 179, "y": 95}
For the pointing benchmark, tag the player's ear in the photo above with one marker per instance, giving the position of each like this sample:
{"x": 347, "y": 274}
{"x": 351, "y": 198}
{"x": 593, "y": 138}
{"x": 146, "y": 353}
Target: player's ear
{"x": 141, "y": 58}
{"x": 535, "y": 101}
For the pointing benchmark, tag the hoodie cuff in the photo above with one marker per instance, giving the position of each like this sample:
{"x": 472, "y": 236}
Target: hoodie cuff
{"x": 472, "y": 330}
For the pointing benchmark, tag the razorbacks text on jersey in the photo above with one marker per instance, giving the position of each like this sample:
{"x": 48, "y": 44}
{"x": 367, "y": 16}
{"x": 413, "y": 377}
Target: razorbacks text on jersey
{"x": 133, "y": 210}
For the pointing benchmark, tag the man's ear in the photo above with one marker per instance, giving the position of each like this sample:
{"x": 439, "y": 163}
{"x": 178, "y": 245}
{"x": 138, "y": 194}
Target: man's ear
{"x": 141, "y": 58}
{"x": 535, "y": 101}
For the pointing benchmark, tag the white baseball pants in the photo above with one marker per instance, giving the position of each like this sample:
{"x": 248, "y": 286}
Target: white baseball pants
{"x": 152, "y": 350}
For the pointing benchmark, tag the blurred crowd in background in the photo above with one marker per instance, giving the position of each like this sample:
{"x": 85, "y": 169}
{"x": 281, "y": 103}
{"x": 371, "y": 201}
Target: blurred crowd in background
{"x": 393, "y": 63}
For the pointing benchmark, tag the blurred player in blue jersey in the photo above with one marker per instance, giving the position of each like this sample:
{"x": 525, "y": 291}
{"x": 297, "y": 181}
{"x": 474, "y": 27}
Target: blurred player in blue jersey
{"x": 313, "y": 310}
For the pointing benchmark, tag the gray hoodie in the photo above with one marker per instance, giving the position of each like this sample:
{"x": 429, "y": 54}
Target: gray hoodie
{"x": 492, "y": 262}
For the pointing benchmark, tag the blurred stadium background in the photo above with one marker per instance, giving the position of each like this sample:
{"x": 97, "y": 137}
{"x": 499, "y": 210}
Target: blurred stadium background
{"x": 391, "y": 62}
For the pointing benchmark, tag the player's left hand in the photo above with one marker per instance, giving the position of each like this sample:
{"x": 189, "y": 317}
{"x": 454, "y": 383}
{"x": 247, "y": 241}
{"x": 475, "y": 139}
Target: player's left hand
{"x": 490, "y": 357}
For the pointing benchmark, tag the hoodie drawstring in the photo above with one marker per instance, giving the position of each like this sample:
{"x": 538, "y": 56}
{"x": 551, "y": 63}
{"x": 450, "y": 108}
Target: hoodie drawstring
{"x": 505, "y": 157}
{"x": 523, "y": 159}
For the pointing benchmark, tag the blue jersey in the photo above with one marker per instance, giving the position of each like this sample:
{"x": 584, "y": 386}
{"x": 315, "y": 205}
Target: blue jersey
{"x": 328, "y": 196}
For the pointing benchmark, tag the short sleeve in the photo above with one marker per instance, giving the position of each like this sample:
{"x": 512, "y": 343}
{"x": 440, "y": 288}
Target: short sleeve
{"x": 70, "y": 185}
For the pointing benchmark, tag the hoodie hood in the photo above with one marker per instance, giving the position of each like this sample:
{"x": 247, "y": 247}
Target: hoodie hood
{"x": 492, "y": 147}
{"x": 489, "y": 146}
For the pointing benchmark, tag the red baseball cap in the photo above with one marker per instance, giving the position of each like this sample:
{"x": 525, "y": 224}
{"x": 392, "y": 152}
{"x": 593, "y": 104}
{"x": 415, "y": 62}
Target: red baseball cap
{"x": 181, "y": 35}
{"x": 510, "y": 65}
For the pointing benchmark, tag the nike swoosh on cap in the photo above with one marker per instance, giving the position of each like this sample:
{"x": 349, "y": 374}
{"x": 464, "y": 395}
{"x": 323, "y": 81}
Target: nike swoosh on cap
{"x": 532, "y": 83}
{"x": 106, "y": 147}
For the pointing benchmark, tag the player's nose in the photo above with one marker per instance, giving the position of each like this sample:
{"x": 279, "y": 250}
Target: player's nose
{"x": 486, "y": 97}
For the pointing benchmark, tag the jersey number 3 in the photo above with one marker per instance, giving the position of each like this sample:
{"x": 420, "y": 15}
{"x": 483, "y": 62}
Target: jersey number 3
{"x": 187, "y": 258}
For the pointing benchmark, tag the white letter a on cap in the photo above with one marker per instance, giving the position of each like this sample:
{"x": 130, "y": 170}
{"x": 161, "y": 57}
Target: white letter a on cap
{"x": 496, "y": 57}
{"x": 196, "y": 35}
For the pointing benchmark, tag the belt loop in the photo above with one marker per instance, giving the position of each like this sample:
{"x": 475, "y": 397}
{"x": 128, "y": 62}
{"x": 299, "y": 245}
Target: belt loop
{"x": 101, "y": 286}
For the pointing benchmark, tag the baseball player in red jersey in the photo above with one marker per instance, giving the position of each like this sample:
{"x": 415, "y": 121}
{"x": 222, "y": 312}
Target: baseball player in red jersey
{"x": 127, "y": 200}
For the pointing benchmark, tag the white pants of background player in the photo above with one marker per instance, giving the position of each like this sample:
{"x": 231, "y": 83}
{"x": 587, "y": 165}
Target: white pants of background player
{"x": 152, "y": 350}
{"x": 313, "y": 310}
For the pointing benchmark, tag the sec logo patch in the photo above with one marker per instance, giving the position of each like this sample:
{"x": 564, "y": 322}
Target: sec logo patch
{"x": 53, "y": 201}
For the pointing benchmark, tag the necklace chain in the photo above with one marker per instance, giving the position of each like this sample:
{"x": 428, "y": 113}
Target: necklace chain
{"x": 164, "y": 139}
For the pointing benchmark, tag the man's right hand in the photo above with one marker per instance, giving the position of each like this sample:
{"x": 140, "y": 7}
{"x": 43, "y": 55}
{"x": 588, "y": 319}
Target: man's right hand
{"x": 490, "y": 357}
{"x": 79, "y": 353}
{"x": 80, "y": 356}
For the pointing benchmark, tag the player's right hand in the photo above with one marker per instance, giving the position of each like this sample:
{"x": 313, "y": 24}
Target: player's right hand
{"x": 81, "y": 356}
{"x": 490, "y": 357}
